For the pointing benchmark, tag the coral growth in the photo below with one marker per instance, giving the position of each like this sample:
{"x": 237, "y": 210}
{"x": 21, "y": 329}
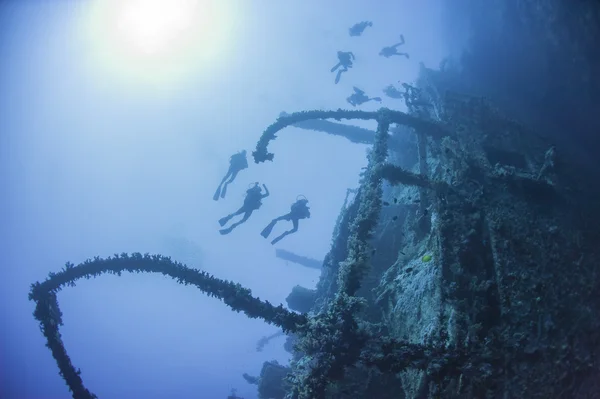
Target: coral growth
{"x": 48, "y": 314}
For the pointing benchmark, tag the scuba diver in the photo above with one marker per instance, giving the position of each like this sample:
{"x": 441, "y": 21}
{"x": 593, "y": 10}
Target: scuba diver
{"x": 389, "y": 51}
{"x": 298, "y": 210}
{"x": 252, "y": 202}
{"x": 359, "y": 97}
{"x": 358, "y": 28}
{"x": 392, "y": 92}
{"x": 237, "y": 163}
{"x": 345, "y": 59}
{"x": 410, "y": 90}
{"x": 412, "y": 96}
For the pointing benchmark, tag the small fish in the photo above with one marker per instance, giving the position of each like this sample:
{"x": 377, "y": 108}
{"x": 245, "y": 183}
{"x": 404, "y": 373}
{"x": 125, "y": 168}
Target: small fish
{"x": 395, "y": 218}
{"x": 385, "y": 203}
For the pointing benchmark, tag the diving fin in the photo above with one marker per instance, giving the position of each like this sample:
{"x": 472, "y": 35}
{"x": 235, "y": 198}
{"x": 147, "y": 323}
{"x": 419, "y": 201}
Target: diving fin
{"x": 276, "y": 240}
{"x": 224, "y": 220}
{"x": 217, "y": 194}
{"x": 224, "y": 190}
{"x": 338, "y": 76}
{"x": 284, "y": 234}
{"x": 267, "y": 230}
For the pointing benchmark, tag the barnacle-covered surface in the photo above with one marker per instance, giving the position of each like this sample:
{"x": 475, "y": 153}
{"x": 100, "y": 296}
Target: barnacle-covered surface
{"x": 492, "y": 251}
{"x": 47, "y": 311}
{"x": 272, "y": 382}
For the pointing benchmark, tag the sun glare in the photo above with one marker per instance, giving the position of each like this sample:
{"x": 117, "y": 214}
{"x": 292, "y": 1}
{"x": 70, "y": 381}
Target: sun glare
{"x": 158, "y": 41}
{"x": 152, "y": 26}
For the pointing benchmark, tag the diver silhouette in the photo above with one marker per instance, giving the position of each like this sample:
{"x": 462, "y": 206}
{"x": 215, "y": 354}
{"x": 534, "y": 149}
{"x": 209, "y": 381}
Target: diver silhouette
{"x": 298, "y": 210}
{"x": 392, "y": 92}
{"x": 358, "y": 28}
{"x": 359, "y": 97}
{"x": 237, "y": 163}
{"x": 389, "y": 51}
{"x": 252, "y": 202}
{"x": 345, "y": 59}
{"x": 413, "y": 96}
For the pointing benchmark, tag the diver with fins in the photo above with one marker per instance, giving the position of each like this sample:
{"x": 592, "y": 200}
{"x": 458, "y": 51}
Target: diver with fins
{"x": 237, "y": 163}
{"x": 392, "y": 92}
{"x": 252, "y": 202}
{"x": 358, "y": 28}
{"x": 298, "y": 210}
{"x": 389, "y": 51}
{"x": 345, "y": 59}
{"x": 359, "y": 97}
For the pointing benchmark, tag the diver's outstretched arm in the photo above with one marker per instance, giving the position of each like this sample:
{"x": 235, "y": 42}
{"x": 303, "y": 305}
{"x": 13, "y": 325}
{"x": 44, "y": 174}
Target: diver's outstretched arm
{"x": 400, "y": 43}
{"x": 351, "y": 54}
{"x": 266, "y": 194}
{"x": 339, "y": 64}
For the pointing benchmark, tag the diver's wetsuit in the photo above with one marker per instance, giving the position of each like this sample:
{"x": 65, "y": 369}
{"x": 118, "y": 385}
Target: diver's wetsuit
{"x": 252, "y": 202}
{"x": 299, "y": 210}
{"x": 345, "y": 59}
{"x": 358, "y": 28}
{"x": 237, "y": 163}
{"x": 393, "y": 92}
{"x": 412, "y": 96}
{"x": 389, "y": 51}
{"x": 359, "y": 97}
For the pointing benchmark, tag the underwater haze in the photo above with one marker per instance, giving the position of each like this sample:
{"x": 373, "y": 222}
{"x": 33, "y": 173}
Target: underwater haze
{"x": 111, "y": 144}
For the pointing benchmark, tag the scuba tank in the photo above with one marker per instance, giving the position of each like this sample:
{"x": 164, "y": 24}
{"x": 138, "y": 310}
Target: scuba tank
{"x": 253, "y": 196}
{"x": 299, "y": 207}
{"x": 253, "y": 188}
